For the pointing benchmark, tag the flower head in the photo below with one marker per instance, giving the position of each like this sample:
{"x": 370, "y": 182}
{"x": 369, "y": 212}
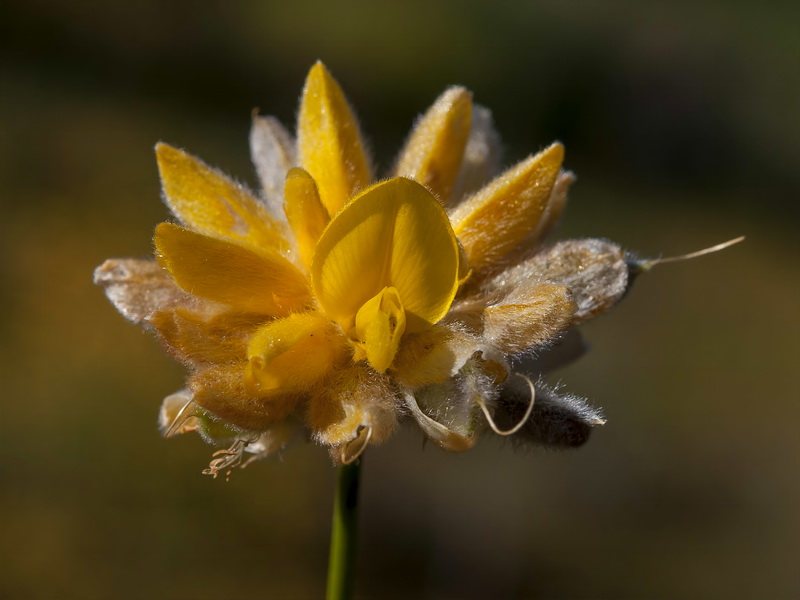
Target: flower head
{"x": 341, "y": 304}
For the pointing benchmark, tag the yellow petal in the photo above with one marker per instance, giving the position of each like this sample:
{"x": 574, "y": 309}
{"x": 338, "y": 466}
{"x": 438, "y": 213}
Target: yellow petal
{"x": 435, "y": 147}
{"x": 211, "y": 203}
{"x": 504, "y": 213}
{"x": 293, "y": 354}
{"x": 380, "y": 324}
{"x": 394, "y": 234}
{"x": 260, "y": 282}
{"x": 304, "y": 211}
{"x": 329, "y": 141}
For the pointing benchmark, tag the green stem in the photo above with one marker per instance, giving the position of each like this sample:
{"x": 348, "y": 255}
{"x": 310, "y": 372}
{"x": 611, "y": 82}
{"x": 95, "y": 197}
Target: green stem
{"x": 341, "y": 565}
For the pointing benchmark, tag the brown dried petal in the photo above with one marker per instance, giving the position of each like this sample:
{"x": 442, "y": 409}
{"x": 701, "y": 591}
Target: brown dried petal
{"x": 439, "y": 434}
{"x": 220, "y": 390}
{"x": 272, "y": 440}
{"x": 139, "y": 287}
{"x": 450, "y": 412}
{"x": 594, "y": 270}
{"x": 529, "y": 320}
{"x": 354, "y": 398}
{"x": 482, "y": 155}
{"x": 273, "y": 152}
{"x": 201, "y": 338}
{"x": 555, "y": 204}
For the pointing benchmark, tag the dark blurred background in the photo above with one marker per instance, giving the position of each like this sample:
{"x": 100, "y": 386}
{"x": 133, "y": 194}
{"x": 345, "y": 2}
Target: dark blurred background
{"x": 682, "y": 123}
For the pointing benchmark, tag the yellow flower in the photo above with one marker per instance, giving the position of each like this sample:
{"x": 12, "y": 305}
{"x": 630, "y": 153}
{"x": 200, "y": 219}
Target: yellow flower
{"x": 340, "y": 305}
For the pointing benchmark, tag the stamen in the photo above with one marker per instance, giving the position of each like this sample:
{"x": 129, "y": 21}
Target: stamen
{"x": 228, "y": 458}
{"x": 647, "y": 264}
{"x": 355, "y": 447}
{"x": 522, "y": 421}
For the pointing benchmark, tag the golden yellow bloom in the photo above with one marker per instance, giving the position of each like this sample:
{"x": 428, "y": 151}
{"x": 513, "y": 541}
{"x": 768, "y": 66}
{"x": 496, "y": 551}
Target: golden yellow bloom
{"x": 340, "y": 305}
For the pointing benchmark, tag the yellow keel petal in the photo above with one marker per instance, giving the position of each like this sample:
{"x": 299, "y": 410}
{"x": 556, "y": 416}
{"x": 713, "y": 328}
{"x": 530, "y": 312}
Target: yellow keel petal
{"x": 293, "y": 354}
{"x": 380, "y": 324}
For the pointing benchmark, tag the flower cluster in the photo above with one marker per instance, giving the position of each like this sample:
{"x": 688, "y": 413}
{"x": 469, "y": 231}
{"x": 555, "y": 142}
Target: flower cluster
{"x": 340, "y": 305}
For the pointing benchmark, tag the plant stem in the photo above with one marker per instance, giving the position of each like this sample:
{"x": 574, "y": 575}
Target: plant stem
{"x": 341, "y": 565}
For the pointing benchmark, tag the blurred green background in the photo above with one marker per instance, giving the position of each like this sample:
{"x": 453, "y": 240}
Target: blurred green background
{"x": 682, "y": 123}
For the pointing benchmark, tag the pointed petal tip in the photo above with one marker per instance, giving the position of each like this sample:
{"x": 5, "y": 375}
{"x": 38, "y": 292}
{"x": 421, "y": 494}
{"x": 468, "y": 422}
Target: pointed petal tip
{"x": 164, "y": 150}
{"x": 165, "y": 155}
{"x": 318, "y": 74}
{"x": 434, "y": 151}
{"x": 329, "y": 141}
{"x": 556, "y": 150}
{"x": 457, "y": 93}
{"x": 162, "y": 231}
{"x": 298, "y": 173}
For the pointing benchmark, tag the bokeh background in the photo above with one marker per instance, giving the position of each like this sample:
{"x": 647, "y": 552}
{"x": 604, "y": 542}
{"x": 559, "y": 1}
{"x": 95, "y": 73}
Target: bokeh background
{"x": 682, "y": 123}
